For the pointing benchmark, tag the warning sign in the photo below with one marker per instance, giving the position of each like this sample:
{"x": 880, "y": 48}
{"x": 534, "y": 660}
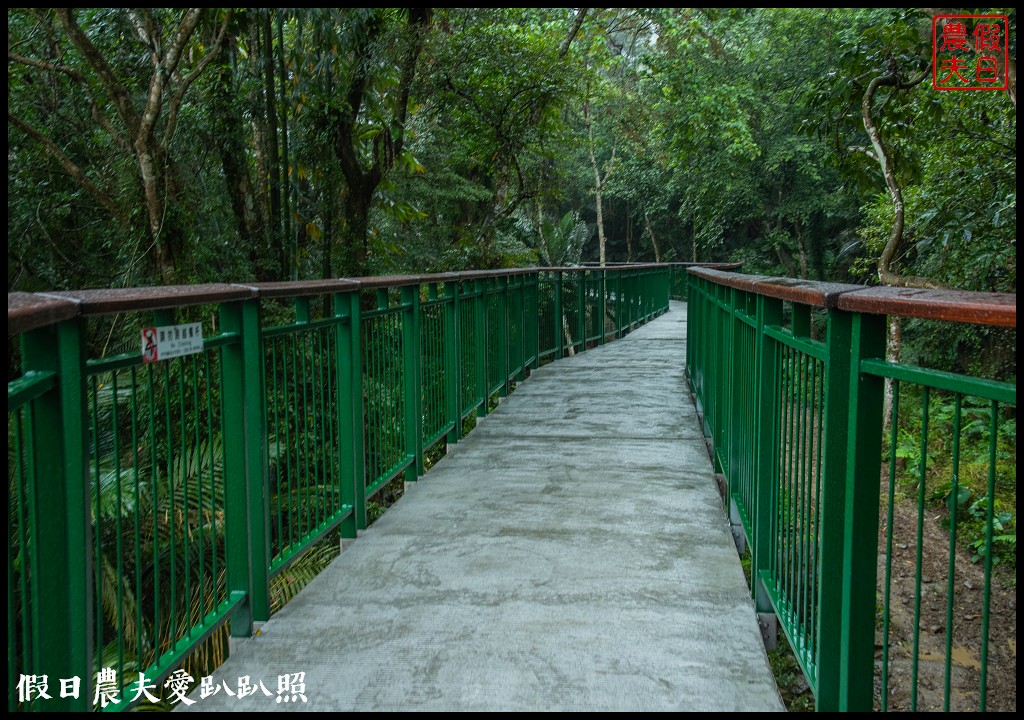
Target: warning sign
{"x": 171, "y": 341}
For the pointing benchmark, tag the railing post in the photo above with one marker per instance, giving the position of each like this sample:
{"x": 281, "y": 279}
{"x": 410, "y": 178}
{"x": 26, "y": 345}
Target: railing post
{"x": 581, "y": 308}
{"x": 516, "y": 366}
{"x": 502, "y": 284}
{"x": 411, "y": 389}
{"x": 602, "y": 300}
{"x": 691, "y": 334}
{"x": 645, "y": 296}
{"x": 245, "y": 473}
{"x": 350, "y": 410}
{"x": 481, "y": 341}
{"x": 649, "y": 294}
{"x": 849, "y": 513}
{"x": 728, "y": 407}
{"x": 57, "y": 562}
{"x": 557, "y": 312}
{"x": 742, "y": 368}
{"x": 724, "y": 409}
{"x": 627, "y": 291}
{"x": 524, "y": 349}
{"x": 453, "y": 360}
{"x": 667, "y": 281}
{"x": 631, "y": 294}
{"x": 618, "y": 303}
{"x": 531, "y": 309}
{"x": 639, "y": 295}
{"x": 769, "y": 313}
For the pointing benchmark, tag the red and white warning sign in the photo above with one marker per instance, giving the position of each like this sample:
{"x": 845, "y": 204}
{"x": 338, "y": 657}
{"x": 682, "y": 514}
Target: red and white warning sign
{"x": 171, "y": 341}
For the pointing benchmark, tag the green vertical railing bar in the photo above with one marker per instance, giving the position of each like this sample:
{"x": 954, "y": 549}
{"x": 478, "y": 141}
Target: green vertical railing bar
{"x": 989, "y": 529}
{"x": 481, "y": 341}
{"x": 769, "y": 313}
{"x": 413, "y": 397}
{"x": 503, "y": 334}
{"x": 453, "y": 361}
{"x": 532, "y": 312}
{"x": 468, "y": 349}
{"x": 581, "y": 308}
{"x": 56, "y": 543}
{"x": 889, "y": 532}
{"x": 919, "y": 551}
{"x": 136, "y": 444}
{"x": 617, "y": 305}
{"x": 951, "y": 569}
{"x": 519, "y": 315}
{"x": 245, "y": 501}
{"x": 557, "y": 317}
{"x": 849, "y": 513}
{"x": 351, "y": 420}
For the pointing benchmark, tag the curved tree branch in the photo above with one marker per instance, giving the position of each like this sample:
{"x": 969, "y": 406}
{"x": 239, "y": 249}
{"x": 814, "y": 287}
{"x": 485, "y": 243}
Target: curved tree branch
{"x": 394, "y": 137}
{"x": 117, "y": 91}
{"x": 43, "y": 65}
{"x": 577, "y": 23}
{"x": 885, "y": 272}
{"x": 179, "y": 95}
{"x": 79, "y": 78}
{"x": 71, "y": 168}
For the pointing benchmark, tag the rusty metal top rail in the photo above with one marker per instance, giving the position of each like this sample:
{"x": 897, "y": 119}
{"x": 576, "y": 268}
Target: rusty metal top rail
{"x": 998, "y": 309}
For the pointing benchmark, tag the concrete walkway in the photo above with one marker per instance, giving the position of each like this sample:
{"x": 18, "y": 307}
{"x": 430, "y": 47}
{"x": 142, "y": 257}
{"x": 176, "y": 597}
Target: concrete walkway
{"x": 570, "y": 554}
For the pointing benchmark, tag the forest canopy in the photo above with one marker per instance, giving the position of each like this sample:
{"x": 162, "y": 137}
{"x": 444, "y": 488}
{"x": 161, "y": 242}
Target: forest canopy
{"x": 151, "y": 146}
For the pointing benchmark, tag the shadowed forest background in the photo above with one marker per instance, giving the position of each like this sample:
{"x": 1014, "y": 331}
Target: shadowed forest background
{"x": 184, "y": 146}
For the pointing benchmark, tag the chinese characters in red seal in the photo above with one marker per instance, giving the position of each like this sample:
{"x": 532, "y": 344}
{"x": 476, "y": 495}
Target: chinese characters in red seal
{"x": 970, "y": 52}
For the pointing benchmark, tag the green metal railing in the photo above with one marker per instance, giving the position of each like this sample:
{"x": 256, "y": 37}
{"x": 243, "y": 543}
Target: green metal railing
{"x": 678, "y": 276}
{"x": 151, "y": 504}
{"x": 788, "y": 379}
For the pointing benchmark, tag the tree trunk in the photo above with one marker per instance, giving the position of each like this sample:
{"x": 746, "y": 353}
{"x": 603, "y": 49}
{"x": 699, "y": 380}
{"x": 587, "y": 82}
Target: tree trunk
{"x": 654, "y": 241}
{"x": 287, "y": 234}
{"x": 387, "y": 145}
{"x": 157, "y": 190}
{"x": 886, "y": 274}
{"x": 893, "y": 346}
{"x": 598, "y": 183}
{"x": 629, "y": 234}
{"x": 600, "y": 219}
{"x": 802, "y": 249}
{"x": 247, "y": 210}
{"x": 261, "y": 137}
{"x": 166, "y": 91}
{"x": 354, "y": 242}
{"x": 788, "y": 266}
{"x": 272, "y": 157}
{"x": 326, "y": 267}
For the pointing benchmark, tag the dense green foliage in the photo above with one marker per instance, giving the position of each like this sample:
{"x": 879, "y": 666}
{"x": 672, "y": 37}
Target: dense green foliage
{"x": 308, "y": 143}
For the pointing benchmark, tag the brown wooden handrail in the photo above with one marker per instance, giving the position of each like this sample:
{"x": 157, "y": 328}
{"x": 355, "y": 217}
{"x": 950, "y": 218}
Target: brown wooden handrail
{"x": 979, "y": 308}
{"x": 27, "y": 311}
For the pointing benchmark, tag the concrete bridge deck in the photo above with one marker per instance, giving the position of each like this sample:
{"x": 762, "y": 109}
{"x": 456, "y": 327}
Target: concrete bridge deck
{"x": 570, "y": 554}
